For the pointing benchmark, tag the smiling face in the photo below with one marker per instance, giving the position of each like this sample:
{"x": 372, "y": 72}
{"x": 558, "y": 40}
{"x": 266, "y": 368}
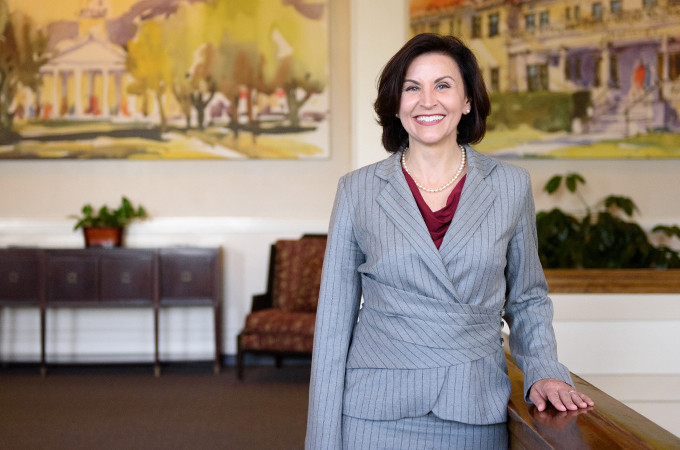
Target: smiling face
{"x": 432, "y": 101}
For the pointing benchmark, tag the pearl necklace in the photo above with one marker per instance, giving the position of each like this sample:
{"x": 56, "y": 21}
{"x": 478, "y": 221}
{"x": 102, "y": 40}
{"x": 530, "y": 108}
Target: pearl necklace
{"x": 460, "y": 169}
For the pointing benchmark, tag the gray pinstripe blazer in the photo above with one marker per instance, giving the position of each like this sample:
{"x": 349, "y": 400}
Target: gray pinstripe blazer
{"x": 428, "y": 337}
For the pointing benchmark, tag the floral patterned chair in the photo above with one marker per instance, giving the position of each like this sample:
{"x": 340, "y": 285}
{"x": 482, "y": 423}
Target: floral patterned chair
{"x": 281, "y": 321}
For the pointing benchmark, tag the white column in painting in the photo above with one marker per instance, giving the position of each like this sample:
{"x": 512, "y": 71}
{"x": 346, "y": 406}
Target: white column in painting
{"x": 105, "y": 100}
{"x": 28, "y": 95}
{"x": 78, "y": 73}
{"x": 522, "y": 84}
{"x": 561, "y": 67}
{"x": 664, "y": 54}
{"x": 55, "y": 96}
{"x": 604, "y": 66}
{"x": 512, "y": 73}
{"x": 119, "y": 91}
{"x": 90, "y": 90}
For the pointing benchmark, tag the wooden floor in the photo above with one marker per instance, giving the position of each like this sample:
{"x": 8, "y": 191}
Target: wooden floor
{"x": 127, "y": 408}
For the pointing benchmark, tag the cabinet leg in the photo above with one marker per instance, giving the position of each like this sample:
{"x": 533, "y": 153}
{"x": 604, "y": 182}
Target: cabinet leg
{"x": 157, "y": 371}
{"x": 43, "y": 371}
{"x": 217, "y": 369}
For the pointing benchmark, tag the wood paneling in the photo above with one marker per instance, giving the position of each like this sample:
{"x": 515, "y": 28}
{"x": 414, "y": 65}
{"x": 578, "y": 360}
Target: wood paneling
{"x": 613, "y": 281}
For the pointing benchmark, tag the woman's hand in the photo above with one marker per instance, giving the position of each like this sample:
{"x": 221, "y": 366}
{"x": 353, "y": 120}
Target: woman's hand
{"x": 562, "y": 396}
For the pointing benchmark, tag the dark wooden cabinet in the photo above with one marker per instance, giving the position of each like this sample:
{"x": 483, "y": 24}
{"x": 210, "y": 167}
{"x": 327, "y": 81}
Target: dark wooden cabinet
{"x": 97, "y": 277}
{"x": 20, "y": 275}
{"x": 186, "y": 275}
{"x": 128, "y": 278}
{"x": 71, "y": 278}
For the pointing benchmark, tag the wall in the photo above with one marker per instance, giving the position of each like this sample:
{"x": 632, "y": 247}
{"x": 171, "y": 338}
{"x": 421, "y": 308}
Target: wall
{"x": 244, "y": 206}
{"x": 241, "y": 206}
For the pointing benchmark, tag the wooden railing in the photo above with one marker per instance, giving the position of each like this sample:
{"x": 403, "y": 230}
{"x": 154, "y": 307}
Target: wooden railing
{"x": 609, "y": 424}
{"x": 613, "y": 281}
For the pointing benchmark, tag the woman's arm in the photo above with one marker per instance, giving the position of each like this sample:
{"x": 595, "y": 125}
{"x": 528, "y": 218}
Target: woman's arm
{"x": 336, "y": 316}
{"x": 529, "y": 310}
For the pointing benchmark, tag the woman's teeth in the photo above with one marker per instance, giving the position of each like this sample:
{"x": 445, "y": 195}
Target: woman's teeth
{"x": 429, "y": 118}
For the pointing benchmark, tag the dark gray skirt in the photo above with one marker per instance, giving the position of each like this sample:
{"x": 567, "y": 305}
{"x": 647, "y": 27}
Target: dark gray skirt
{"x": 419, "y": 433}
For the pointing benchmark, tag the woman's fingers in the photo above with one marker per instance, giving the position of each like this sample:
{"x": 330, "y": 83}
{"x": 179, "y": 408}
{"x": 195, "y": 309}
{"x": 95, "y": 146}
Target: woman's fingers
{"x": 556, "y": 399}
{"x": 562, "y": 396}
{"x": 568, "y": 400}
{"x": 582, "y": 400}
{"x": 537, "y": 400}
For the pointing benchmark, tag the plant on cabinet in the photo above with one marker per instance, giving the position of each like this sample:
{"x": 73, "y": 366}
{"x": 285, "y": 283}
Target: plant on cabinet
{"x": 104, "y": 228}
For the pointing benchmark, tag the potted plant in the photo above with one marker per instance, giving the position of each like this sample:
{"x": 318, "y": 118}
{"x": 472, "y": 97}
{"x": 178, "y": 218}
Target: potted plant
{"x": 603, "y": 238}
{"x": 105, "y": 227}
{"x": 602, "y": 250}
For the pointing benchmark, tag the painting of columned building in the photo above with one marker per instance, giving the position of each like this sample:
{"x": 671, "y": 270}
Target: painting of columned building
{"x": 164, "y": 79}
{"x": 87, "y": 78}
{"x": 571, "y": 79}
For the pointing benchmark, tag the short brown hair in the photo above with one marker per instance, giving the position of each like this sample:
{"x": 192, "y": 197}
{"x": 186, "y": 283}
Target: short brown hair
{"x": 471, "y": 127}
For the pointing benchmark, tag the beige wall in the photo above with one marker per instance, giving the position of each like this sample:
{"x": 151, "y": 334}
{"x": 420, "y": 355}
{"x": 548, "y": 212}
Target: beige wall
{"x": 364, "y": 34}
{"x": 244, "y": 206}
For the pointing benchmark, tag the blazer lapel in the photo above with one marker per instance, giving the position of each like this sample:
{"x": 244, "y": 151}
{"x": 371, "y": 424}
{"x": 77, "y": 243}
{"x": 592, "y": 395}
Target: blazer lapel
{"x": 396, "y": 199}
{"x": 475, "y": 203}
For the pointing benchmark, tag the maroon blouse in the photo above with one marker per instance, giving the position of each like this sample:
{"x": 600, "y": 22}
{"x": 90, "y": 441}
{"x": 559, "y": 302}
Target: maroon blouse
{"x": 437, "y": 222}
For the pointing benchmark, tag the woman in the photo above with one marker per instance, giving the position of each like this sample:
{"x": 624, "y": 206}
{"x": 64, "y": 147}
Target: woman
{"x": 421, "y": 364}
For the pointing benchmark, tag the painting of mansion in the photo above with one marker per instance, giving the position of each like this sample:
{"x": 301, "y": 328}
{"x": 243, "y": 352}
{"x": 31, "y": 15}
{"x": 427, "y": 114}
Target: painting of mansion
{"x": 165, "y": 79}
{"x": 571, "y": 78}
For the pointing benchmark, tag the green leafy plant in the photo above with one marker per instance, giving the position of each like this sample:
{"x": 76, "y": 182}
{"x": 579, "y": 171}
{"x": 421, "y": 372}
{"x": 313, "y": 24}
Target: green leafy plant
{"x": 106, "y": 217}
{"x": 603, "y": 238}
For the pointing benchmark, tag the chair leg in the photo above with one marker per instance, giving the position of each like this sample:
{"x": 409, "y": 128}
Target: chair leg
{"x": 279, "y": 361}
{"x": 239, "y": 358}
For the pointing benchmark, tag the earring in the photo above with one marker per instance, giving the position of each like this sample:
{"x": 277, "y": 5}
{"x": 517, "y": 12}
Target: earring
{"x": 396, "y": 115}
{"x": 467, "y": 112}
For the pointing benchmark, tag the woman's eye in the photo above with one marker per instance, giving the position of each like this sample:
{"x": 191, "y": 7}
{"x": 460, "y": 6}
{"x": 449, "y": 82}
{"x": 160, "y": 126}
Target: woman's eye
{"x": 411, "y": 88}
{"x": 442, "y": 86}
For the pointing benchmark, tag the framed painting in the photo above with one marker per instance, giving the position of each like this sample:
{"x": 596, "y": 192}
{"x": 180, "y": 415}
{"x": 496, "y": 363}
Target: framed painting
{"x": 571, "y": 78}
{"x": 164, "y": 79}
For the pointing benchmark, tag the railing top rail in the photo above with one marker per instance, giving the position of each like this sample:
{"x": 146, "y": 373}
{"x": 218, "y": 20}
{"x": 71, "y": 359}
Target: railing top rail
{"x": 608, "y": 425}
{"x": 613, "y": 281}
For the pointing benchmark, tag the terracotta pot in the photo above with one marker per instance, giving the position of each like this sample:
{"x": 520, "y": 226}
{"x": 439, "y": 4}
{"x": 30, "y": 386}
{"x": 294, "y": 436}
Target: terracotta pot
{"x": 103, "y": 236}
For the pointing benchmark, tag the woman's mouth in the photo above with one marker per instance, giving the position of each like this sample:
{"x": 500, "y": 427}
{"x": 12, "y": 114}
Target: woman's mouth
{"x": 429, "y": 120}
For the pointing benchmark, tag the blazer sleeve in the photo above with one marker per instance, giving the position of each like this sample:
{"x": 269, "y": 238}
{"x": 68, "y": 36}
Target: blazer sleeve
{"x": 339, "y": 300}
{"x": 529, "y": 310}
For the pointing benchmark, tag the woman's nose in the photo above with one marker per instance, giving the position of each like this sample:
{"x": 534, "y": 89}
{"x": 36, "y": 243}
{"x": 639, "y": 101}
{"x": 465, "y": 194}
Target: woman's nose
{"x": 428, "y": 98}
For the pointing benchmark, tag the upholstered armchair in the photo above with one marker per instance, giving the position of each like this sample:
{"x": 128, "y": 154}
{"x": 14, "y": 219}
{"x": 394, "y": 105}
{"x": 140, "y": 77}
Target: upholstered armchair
{"x": 281, "y": 321}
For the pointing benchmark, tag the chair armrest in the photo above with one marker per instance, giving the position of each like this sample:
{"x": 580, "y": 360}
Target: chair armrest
{"x": 262, "y": 301}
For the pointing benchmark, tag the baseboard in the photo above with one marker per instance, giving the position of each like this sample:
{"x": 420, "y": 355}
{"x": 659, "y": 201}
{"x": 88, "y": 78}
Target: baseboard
{"x": 264, "y": 360}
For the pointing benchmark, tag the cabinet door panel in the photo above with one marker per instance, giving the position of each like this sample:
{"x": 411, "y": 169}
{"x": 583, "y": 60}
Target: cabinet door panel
{"x": 186, "y": 276}
{"x": 71, "y": 278}
{"x": 19, "y": 275}
{"x": 127, "y": 278}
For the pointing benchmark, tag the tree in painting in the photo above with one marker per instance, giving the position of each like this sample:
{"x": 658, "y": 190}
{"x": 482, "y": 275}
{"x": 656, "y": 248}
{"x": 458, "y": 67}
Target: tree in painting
{"x": 149, "y": 65}
{"x": 22, "y": 52}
